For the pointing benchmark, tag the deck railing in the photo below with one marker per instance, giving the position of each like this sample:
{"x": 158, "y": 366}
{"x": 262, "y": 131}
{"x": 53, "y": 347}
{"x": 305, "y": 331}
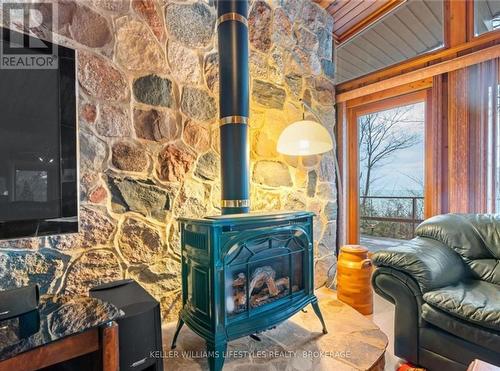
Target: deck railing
{"x": 414, "y": 218}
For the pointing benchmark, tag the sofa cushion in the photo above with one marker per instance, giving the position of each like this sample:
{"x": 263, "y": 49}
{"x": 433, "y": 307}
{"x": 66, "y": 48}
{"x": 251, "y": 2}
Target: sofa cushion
{"x": 475, "y": 237}
{"x": 478, "y": 335}
{"x": 473, "y": 301}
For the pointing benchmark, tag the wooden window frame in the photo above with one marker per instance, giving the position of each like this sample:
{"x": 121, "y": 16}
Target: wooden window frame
{"x": 349, "y": 151}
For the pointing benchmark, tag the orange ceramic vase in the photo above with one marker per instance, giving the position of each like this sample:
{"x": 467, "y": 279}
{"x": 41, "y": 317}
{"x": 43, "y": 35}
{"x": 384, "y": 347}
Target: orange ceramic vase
{"x": 354, "y": 271}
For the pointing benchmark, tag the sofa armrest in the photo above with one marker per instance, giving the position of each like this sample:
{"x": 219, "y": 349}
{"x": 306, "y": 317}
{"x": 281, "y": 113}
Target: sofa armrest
{"x": 402, "y": 290}
{"x": 430, "y": 263}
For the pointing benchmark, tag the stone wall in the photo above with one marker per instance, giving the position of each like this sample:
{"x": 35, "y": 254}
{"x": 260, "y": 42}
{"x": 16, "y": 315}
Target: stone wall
{"x": 148, "y": 81}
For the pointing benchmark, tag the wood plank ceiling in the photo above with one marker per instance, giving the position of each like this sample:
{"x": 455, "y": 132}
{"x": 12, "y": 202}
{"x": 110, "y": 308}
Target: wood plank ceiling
{"x": 372, "y": 35}
{"x": 351, "y": 16}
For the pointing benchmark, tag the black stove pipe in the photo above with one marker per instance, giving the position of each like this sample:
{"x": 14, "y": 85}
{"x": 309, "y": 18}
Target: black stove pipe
{"x": 232, "y": 31}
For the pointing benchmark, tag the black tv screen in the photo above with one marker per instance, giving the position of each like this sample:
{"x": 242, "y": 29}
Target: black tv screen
{"x": 38, "y": 140}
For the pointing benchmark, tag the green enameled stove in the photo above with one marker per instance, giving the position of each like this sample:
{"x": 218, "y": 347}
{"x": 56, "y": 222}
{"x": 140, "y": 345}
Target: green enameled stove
{"x": 242, "y": 272}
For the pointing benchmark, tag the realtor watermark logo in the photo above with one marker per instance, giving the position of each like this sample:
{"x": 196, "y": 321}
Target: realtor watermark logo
{"x": 18, "y": 50}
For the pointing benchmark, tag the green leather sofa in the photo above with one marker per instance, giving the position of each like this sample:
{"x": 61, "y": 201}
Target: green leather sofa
{"x": 445, "y": 285}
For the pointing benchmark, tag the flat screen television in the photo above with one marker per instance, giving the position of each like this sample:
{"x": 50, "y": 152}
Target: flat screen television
{"x": 38, "y": 143}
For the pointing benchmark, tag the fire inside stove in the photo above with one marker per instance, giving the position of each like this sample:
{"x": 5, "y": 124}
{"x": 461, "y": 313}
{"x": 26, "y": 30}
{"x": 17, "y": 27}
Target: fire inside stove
{"x": 264, "y": 270}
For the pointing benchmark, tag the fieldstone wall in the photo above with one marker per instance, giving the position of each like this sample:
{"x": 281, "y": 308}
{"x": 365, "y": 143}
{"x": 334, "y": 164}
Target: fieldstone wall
{"x": 148, "y": 81}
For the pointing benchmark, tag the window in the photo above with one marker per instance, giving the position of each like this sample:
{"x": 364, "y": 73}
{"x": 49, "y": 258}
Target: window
{"x": 384, "y": 168}
{"x": 412, "y": 29}
{"x": 391, "y": 172}
{"x": 486, "y": 16}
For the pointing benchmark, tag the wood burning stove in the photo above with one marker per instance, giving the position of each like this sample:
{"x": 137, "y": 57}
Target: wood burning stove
{"x": 241, "y": 273}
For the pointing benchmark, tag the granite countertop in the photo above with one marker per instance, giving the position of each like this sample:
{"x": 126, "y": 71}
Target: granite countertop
{"x": 57, "y": 317}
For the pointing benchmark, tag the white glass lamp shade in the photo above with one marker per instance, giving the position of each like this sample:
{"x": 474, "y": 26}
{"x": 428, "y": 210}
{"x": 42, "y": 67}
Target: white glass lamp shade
{"x": 304, "y": 138}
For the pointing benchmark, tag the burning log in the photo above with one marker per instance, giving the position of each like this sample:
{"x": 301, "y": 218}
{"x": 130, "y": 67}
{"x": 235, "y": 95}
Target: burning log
{"x": 282, "y": 283}
{"x": 259, "y": 299}
{"x": 239, "y": 294}
{"x": 240, "y": 280}
{"x": 263, "y": 288}
{"x": 260, "y": 276}
{"x": 240, "y": 298}
{"x": 271, "y": 286}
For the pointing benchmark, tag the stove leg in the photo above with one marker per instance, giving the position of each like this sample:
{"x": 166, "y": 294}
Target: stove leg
{"x": 216, "y": 354}
{"x": 315, "y": 306}
{"x": 177, "y": 330}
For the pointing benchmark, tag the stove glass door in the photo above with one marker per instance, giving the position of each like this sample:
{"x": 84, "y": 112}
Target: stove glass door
{"x": 263, "y": 270}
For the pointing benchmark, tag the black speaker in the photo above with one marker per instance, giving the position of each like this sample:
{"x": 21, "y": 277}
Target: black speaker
{"x": 18, "y": 301}
{"x": 139, "y": 328}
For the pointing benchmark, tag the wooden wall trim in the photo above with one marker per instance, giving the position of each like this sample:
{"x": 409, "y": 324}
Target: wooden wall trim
{"x": 437, "y": 69}
{"x": 495, "y": 71}
{"x": 457, "y": 115}
{"x": 470, "y": 20}
{"x": 470, "y": 179}
{"x": 458, "y": 141}
{"x": 352, "y": 178}
{"x": 436, "y": 167}
{"x": 388, "y": 103}
{"x": 341, "y": 132}
{"x": 494, "y": 78}
{"x": 455, "y": 20}
{"x": 477, "y": 135}
{"x": 390, "y": 93}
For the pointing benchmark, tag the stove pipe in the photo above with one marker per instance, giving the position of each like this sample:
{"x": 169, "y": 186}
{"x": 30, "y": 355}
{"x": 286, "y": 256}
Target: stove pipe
{"x": 232, "y": 31}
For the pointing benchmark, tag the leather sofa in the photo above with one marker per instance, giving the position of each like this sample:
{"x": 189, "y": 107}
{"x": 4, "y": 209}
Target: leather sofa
{"x": 445, "y": 285}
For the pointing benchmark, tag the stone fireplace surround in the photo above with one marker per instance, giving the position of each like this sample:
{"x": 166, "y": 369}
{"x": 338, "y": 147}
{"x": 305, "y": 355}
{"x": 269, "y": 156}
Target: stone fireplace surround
{"x": 147, "y": 87}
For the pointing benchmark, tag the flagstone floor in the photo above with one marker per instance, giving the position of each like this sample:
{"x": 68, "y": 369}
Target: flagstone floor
{"x": 353, "y": 342}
